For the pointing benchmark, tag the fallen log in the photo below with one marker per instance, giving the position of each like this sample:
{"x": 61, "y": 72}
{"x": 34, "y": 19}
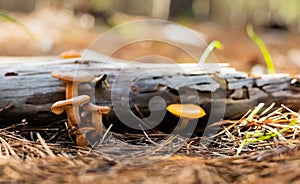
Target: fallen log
{"x": 138, "y": 92}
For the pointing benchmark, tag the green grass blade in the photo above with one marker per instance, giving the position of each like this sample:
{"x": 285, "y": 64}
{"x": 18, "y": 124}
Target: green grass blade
{"x": 260, "y": 136}
{"x": 7, "y": 18}
{"x": 263, "y": 49}
{"x": 214, "y": 44}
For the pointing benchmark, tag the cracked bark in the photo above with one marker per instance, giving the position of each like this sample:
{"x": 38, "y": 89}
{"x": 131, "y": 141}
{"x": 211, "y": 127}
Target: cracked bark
{"x": 26, "y": 84}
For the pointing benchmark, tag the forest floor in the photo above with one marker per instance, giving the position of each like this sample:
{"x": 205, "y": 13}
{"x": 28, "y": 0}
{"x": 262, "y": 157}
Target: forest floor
{"x": 274, "y": 161}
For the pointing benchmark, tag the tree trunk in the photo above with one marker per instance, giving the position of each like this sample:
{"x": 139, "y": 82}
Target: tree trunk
{"x": 27, "y": 86}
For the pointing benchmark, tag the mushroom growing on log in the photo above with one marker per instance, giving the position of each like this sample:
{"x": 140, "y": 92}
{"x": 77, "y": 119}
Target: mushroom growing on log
{"x": 31, "y": 90}
{"x": 71, "y": 107}
{"x": 72, "y": 80}
{"x": 186, "y": 112}
{"x": 96, "y": 118}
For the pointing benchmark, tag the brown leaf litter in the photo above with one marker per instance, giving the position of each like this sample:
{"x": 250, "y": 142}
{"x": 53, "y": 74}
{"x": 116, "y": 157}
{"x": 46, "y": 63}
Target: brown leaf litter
{"x": 273, "y": 156}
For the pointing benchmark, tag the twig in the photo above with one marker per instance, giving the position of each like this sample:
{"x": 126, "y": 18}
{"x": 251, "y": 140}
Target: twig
{"x": 103, "y": 137}
{"x": 149, "y": 139}
{"x": 8, "y": 148}
{"x": 43, "y": 143}
{"x": 267, "y": 110}
{"x": 252, "y": 114}
{"x": 7, "y": 106}
{"x": 291, "y": 111}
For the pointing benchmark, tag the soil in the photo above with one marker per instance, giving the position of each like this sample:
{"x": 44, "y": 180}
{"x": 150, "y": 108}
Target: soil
{"x": 280, "y": 165}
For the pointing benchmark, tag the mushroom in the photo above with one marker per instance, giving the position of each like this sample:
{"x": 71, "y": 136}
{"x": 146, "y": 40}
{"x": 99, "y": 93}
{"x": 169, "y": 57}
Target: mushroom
{"x": 72, "y": 80}
{"x": 81, "y": 139}
{"x": 186, "y": 112}
{"x": 97, "y": 112}
{"x": 101, "y": 79}
{"x": 71, "y": 106}
{"x": 70, "y": 54}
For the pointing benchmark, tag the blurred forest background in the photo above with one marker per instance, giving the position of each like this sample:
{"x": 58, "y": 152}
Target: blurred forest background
{"x": 73, "y": 24}
{"x": 261, "y": 12}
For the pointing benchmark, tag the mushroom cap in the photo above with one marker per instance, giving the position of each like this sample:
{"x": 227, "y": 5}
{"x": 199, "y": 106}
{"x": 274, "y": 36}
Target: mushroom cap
{"x": 69, "y": 76}
{"x": 70, "y": 54}
{"x": 93, "y": 107}
{"x": 189, "y": 111}
{"x": 59, "y": 106}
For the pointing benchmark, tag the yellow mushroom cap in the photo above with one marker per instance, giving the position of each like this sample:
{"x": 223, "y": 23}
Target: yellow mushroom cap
{"x": 189, "y": 111}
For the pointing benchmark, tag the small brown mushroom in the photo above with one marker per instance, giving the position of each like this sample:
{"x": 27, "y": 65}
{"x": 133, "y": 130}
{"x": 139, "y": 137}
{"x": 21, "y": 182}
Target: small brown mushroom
{"x": 72, "y": 80}
{"x": 81, "y": 139}
{"x": 70, "y": 54}
{"x": 71, "y": 106}
{"x": 101, "y": 79}
{"x": 186, "y": 112}
{"x": 97, "y": 112}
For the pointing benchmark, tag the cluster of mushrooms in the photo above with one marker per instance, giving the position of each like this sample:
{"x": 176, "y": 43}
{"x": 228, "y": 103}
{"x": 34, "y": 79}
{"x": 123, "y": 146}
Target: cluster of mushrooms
{"x": 79, "y": 107}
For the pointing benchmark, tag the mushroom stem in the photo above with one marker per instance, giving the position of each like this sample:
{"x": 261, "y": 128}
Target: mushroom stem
{"x": 81, "y": 140}
{"x": 183, "y": 124}
{"x": 71, "y": 106}
{"x": 97, "y": 121}
{"x": 71, "y": 90}
{"x": 97, "y": 112}
{"x": 73, "y": 116}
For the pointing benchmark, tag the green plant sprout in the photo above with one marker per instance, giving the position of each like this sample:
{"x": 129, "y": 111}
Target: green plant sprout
{"x": 7, "y": 18}
{"x": 214, "y": 44}
{"x": 262, "y": 47}
{"x": 253, "y": 137}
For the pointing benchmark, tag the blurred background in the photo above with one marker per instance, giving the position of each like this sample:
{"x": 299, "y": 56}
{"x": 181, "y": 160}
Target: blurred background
{"x": 60, "y": 25}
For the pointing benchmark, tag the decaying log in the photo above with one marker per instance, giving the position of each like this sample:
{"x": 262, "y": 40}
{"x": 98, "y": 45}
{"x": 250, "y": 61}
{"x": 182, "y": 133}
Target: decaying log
{"x": 28, "y": 88}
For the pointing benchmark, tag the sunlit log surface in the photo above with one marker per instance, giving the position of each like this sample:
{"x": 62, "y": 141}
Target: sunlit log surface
{"x": 28, "y": 90}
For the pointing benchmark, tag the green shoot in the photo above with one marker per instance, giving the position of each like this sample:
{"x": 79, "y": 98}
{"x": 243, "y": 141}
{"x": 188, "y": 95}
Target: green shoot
{"x": 253, "y": 137}
{"x": 5, "y": 17}
{"x": 8, "y": 18}
{"x": 214, "y": 44}
{"x": 263, "y": 49}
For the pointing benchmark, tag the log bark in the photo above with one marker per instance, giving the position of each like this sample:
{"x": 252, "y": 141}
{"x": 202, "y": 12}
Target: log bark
{"x": 27, "y": 86}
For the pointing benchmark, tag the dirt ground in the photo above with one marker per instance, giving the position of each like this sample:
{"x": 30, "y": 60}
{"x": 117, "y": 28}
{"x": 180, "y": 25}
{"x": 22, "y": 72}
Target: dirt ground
{"x": 174, "y": 170}
{"x": 273, "y": 166}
